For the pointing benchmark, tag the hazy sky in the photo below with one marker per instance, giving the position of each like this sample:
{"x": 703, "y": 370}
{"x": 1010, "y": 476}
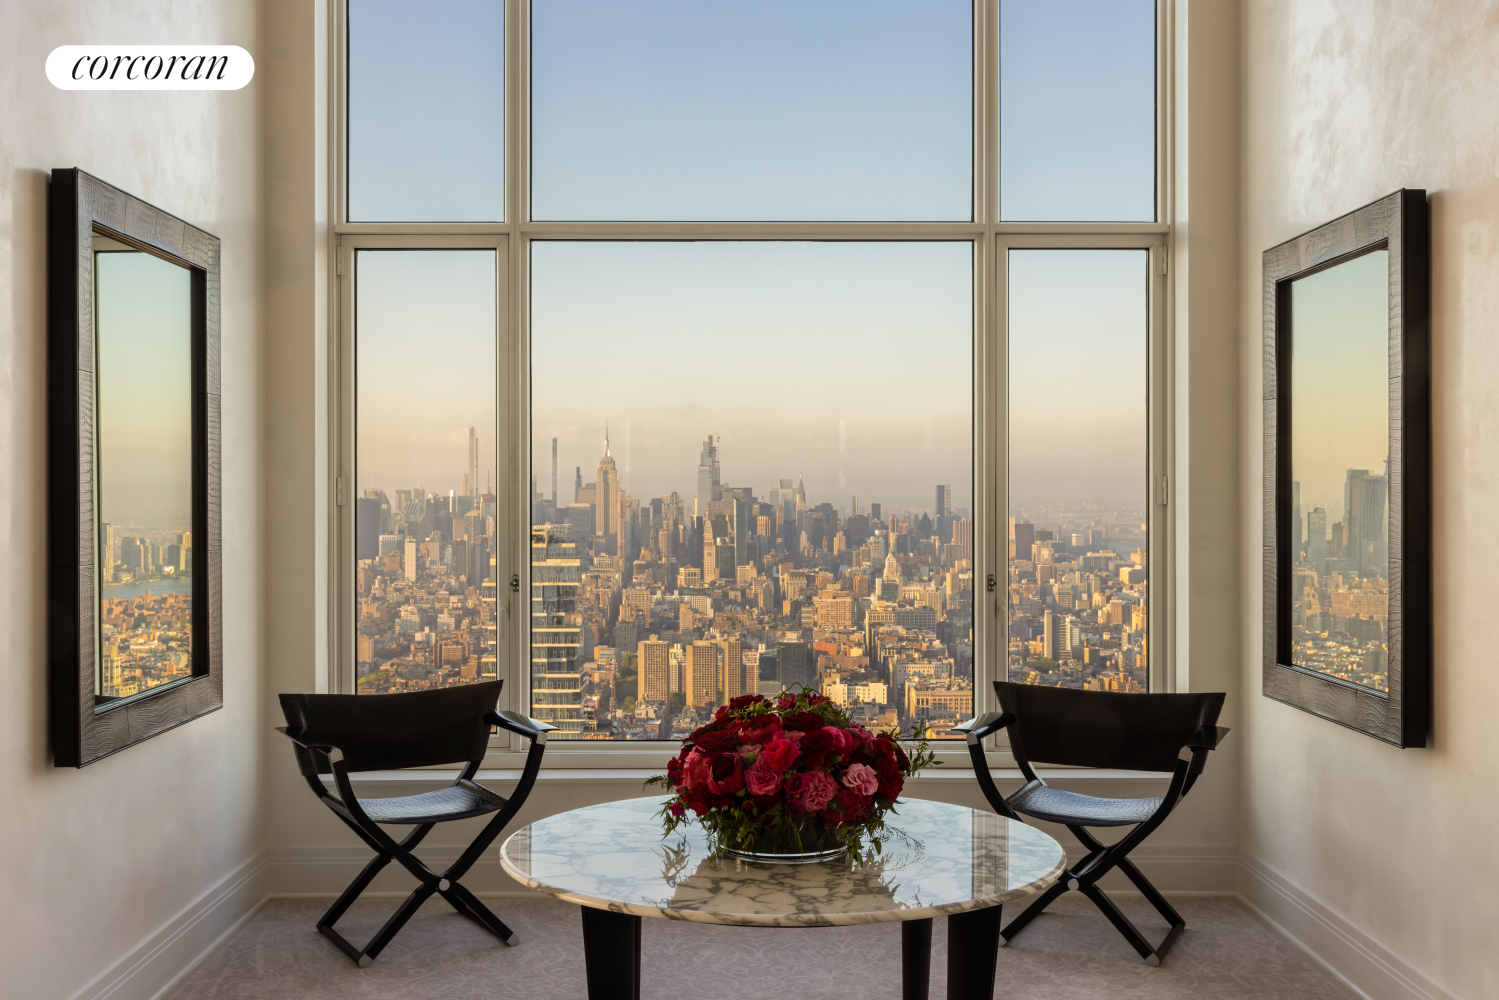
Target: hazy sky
{"x": 425, "y": 366}
{"x": 850, "y": 363}
{"x": 1078, "y": 366}
{"x": 1340, "y": 378}
{"x": 426, "y": 111}
{"x": 1077, "y": 107}
{"x": 782, "y": 109}
{"x": 144, "y": 329}
{"x": 779, "y": 109}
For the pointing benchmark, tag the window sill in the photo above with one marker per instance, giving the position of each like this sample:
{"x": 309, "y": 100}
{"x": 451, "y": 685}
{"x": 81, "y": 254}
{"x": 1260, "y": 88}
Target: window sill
{"x": 634, "y": 776}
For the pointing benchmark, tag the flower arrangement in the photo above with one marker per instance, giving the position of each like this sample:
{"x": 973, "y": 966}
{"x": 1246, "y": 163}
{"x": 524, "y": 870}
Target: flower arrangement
{"x": 793, "y": 776}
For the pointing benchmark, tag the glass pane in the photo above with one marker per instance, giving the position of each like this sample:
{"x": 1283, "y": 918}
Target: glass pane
{"x": 800, "y": 513}
{"x": 424, "y": 512}
{"x": 1079, "y": 478}
{"x": 779, "y": 110}
{"x": 144, "y": 420}
{"x": 1340, "y": 454}
{"x": 426, "y": 111}
{"x": 1077, "y": 110}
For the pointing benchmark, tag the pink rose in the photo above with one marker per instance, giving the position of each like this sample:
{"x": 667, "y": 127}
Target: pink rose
{"x": 762, "y": 779}
{"x": 817, "y": 790}
{"x": 779, "y": 754}
{"x": 725, "y": 773}
{"x": 693, "y": 769}
{"x": 842, "y": 739}
{"x": 862, "y": 778}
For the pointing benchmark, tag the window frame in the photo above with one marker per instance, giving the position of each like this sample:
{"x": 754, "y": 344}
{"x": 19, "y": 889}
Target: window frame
{"x": 991, "y": 241}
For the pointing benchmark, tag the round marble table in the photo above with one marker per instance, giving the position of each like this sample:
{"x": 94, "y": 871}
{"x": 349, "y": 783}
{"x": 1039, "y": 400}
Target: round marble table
{"x": 941, "y": 860}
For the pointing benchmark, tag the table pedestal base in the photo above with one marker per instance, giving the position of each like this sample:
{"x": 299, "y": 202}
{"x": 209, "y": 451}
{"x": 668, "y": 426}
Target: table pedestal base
{"x": 611, "y": 954}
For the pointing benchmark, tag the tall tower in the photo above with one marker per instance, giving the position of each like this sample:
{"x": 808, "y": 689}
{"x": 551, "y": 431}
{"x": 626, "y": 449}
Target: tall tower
{"x": 473, "y": 460}
{"x": 578, "y": 484}
{"x": 708, "y": 486}
{"x": 554, "y": 473}
{"x": 606, "y": 494}
{"x": 944, "y": 500}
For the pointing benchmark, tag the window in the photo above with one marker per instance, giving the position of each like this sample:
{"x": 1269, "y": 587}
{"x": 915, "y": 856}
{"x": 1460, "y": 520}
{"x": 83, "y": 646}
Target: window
{"x": 745, "y": 499}
{"x": 1079, "y": 449}
{"x": 696, "y": 351}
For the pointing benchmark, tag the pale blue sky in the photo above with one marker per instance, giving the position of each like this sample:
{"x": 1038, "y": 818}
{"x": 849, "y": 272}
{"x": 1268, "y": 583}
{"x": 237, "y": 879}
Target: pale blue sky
{"x": 143, "y": 310}
{"x": 424, "y": 366}
{"x": 1079, "y": 339}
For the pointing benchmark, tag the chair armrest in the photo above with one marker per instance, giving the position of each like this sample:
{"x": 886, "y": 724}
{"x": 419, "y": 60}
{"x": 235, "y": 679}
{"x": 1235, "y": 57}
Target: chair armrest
{"x": 976, "y": 729}
{"x": 307, "y": 741}
{"x": 531, "y": 729}
{"x": 1207, "y": 738}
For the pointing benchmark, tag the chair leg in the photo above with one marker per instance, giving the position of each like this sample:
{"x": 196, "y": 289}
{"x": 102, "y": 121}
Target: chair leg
{"x": 1034, "y": 910}
{"x": 341, "y": 905}
{"x": 469, "y": 905}
{"x": 1165, "y": 909}
{"x": 1123, "y": 925}
{"x": 397, "y": 920}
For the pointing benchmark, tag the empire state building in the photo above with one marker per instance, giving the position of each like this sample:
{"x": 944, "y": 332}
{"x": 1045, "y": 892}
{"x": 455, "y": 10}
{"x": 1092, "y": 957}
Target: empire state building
{"x": 606, "y": 495}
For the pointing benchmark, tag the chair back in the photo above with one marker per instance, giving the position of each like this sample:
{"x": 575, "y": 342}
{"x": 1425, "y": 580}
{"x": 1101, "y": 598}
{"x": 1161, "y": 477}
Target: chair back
{"x": 1135, "y": 732}
{"x": 389, "y": 731}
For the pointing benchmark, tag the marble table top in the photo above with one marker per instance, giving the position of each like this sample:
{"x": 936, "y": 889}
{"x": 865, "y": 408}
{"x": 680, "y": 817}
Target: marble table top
{"x": 942, "y": 859}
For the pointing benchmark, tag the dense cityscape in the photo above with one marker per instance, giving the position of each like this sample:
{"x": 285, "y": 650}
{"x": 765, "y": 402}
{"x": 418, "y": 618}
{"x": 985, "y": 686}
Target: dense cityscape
{"x": 648, "y": 613}
{"x": 145, "y": 608}
{"x": 1340, "y": 586}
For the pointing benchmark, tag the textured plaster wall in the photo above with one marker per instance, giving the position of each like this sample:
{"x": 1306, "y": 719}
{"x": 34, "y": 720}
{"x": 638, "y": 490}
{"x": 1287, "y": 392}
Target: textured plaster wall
{"x": 1345, "y": 101}
{"x": 99, "y": 858}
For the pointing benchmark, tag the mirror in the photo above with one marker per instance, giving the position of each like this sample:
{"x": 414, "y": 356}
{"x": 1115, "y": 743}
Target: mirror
{"x": 1340, "y": 456}
{"x": 1347, "y": 521}
{"x": 134, "y": 546}
{"x": 143, "y": 470}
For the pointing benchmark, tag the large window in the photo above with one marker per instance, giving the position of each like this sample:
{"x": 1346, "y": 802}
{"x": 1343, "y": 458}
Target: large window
{"x": 695, "y": 351}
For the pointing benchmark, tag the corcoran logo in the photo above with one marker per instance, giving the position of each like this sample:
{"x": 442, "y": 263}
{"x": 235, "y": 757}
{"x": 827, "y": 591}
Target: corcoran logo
{"x": 149, "y": 67}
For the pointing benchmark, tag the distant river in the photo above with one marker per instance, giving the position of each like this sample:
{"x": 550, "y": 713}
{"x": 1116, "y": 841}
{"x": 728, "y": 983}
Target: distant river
{"x": 119, "y": 590}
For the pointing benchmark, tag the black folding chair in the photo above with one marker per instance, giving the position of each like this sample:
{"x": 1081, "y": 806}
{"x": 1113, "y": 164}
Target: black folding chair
{"x": 1136, "y": 732}
{"x": 345, "y": 733}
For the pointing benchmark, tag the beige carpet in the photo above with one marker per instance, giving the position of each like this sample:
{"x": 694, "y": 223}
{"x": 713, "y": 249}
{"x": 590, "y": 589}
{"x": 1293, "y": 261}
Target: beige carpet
{"x": 1069, "y": 953}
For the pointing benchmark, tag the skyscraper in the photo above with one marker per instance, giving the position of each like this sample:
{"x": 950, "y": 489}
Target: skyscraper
{"x": 578, "y": 485}
{"x": 473, "y": 461}
{"x": 791, "y": 664}
{"x": 708, "y": 488}
{"x": 702, "y": 673}
{"x": 1316, "y": 542}
{"x": 653, "y": 668}
{"x": 1364, "y": 519}
{"x": 1296, "y": 523}
{"x": 554, "y": 473}
{"x": 944, "y": 500}
{"x": 606, "y": 495}
{"x": 556, "y": 683}
{"x": 736, "y": 680}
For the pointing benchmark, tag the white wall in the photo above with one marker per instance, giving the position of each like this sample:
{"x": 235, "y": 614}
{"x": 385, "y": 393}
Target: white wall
{"x": 1355, "y": 846}
{"x": 99, "y": 860}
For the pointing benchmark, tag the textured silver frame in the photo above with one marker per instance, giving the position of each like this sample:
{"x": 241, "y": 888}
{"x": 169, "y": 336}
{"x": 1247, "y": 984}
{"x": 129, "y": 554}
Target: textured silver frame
{"x": 1398, "y": 222}
{"x": 84, "y": 730}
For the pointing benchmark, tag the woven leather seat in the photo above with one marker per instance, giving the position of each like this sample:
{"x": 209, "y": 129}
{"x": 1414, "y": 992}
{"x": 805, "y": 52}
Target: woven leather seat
{"x": 464, "y": 800}
{"x": 343, "y": 734}
{"x": 1056, "y": 805}
{"x": 1167, "y": 733}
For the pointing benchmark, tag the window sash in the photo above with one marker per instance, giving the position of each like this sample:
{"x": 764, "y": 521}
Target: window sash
{"x": 991, "y": 241}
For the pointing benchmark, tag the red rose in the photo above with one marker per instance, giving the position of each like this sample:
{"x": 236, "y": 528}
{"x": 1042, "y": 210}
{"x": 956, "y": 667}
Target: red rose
{"x": 817, "y": 748}
{"x": 779, "y": 753}
{"x": 854, "y": 807}
{"x": 760, "y": 730}
{"x": 842, "y": 738}
{"x": 726, "y": 774}
{"x": 891, "y": 780}
{"x": 677, "y": 809}
{"x": 710, "y": 743}
{"x": 744, "y": 701}
{"x": 804, "y": 722}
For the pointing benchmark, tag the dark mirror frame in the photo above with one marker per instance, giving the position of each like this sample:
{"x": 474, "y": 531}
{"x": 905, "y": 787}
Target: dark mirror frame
{"x": 1399, "y": 223}
{"x": 84, "y": 728}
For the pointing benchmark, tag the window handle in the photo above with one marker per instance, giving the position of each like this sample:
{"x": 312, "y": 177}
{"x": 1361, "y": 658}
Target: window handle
{"x": 505, "y": 620}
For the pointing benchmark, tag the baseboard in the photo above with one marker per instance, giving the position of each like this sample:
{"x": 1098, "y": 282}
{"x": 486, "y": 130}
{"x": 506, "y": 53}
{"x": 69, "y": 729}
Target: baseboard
{"x": 155, "y": 966}
{"x": 1335, "y": 943}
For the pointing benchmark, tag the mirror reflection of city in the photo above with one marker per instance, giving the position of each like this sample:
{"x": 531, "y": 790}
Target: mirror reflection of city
{"x": 1340, "y": 435}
